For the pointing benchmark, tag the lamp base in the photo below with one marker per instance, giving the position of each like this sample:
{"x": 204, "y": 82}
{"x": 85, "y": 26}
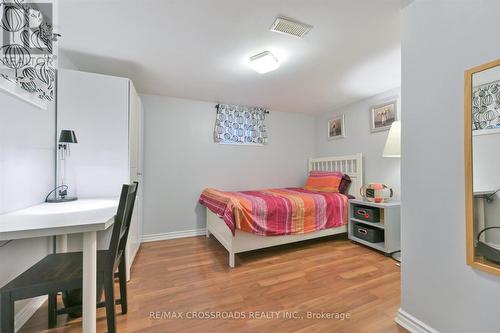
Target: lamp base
{"x": 59, "y": 200}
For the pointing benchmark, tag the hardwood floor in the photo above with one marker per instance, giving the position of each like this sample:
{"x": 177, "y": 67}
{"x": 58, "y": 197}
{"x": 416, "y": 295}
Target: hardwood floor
{"x": 329, "y": 276}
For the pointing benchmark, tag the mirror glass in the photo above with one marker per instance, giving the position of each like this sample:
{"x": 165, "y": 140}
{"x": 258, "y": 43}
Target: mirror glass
{"x": 485, "y": 112}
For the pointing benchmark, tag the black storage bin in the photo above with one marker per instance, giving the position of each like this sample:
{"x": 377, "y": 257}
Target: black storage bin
{"x": 368, "y": 233}
{"x": 366, "y": 213}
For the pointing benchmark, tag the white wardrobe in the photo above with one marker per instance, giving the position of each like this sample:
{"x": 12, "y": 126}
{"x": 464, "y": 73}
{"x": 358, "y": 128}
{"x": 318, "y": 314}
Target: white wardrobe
{"x": 107, "y": 116}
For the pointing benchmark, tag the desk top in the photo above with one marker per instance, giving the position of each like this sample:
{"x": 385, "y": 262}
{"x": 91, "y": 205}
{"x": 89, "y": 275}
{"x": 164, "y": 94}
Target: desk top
{"x": 483, "y": 192}
{"x": 51, "y": 219}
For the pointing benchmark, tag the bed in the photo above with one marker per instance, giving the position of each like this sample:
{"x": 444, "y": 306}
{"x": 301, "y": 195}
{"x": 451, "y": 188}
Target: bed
{"x": 237, "y": 241}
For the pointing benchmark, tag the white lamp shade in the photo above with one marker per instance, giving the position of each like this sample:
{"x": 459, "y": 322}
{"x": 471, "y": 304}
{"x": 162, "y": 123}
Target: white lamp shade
{"x": 393, "y": 143}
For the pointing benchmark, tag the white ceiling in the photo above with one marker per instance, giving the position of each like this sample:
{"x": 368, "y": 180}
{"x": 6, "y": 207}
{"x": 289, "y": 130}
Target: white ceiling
{"x": 199, "y": 49}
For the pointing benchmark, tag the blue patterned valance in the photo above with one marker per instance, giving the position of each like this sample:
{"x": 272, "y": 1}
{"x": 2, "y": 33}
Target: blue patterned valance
{"x": 237, "y": 124}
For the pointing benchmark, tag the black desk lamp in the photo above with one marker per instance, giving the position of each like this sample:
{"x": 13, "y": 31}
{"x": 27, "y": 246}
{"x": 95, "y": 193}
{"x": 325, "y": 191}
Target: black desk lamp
{"x": 66, "y": 138}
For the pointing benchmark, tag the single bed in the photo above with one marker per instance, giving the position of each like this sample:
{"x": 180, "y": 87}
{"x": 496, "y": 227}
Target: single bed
{"x": 237, "y": 241}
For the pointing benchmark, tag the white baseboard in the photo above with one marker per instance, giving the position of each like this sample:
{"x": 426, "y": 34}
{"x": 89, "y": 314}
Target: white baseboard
{"x": 173, "y": 235}
{"x": 27, "y": 311}
{"x": 412, "y": 324}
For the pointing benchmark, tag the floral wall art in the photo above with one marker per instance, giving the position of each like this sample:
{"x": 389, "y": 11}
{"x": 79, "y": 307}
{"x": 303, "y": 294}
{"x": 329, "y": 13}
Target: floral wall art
{"x": 27, "y": 50}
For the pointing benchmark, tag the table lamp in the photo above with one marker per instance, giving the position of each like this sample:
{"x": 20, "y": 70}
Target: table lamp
{"x": 66, "y": 138}
{"x": 393, "y": 144}
{"x": 393, "y": 149}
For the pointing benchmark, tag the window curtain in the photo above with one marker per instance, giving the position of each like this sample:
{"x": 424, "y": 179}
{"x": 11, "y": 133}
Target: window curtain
{"x": 26, "y": 46}
{"x": 486, "y": 106}
{"x": 238, "y": 124}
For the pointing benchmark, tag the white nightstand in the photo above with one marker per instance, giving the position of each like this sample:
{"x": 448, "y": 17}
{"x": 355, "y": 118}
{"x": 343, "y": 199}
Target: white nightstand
{"x": 390, "y": 215}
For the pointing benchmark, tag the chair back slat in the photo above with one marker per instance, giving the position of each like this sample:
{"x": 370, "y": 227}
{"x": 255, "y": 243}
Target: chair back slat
{"x": 126, "y": 225}
{"x": 121, "y": 226}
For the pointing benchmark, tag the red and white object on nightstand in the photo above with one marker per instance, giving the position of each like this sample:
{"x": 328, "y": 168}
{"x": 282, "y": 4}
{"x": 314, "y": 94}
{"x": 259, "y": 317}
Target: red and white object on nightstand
{"x": 376, "y": 192}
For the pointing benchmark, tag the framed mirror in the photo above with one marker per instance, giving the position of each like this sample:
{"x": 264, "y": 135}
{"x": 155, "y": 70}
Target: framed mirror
{"x": 482, "y": 166}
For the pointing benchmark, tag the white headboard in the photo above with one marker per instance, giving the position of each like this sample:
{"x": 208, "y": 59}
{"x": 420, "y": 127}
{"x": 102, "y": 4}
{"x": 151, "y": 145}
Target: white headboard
{"x": 351, "y": 165}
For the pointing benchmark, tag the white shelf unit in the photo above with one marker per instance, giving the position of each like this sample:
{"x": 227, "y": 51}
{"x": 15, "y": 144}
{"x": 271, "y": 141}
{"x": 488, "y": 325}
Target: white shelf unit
{"x": 390, "y": 215}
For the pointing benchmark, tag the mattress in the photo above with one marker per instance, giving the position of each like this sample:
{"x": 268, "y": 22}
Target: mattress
{"x": 274, "y": 212}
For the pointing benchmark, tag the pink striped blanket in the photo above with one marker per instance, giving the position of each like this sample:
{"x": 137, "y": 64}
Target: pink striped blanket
{"x": 276, "y": 212}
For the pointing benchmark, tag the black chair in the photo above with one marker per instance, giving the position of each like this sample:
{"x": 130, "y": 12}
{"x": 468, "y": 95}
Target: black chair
{"x": 64, "y": 271}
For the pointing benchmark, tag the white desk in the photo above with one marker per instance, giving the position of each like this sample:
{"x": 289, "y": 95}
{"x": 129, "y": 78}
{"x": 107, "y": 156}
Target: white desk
{"x": 86, "y": 216}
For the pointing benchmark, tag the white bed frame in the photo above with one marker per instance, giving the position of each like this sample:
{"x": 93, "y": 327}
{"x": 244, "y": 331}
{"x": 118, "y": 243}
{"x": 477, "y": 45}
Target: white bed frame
{"x": 351, "y": 165}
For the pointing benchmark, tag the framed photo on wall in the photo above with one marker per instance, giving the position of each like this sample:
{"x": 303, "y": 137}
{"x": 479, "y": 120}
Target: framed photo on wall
{"x": 336, "y": 128}
{"x": 383, "y": 115}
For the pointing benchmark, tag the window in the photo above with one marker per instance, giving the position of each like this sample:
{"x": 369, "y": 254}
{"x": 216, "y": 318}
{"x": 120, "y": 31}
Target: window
{"x": 237, "y": 124}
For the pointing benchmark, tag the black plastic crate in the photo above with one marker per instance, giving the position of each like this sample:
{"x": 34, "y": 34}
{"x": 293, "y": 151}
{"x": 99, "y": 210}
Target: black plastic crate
{"x": 366, "y": 213}
{"x": 368, "y": 233}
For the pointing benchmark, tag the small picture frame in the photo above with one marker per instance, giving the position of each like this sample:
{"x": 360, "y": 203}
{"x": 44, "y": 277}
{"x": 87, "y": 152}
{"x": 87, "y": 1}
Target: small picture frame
{"x": 336, "y": 128}
{"x": 383, "y": 115}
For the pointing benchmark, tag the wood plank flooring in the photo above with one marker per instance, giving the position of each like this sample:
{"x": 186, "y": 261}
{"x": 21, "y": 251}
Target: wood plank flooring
{"x": 190, "y": 276}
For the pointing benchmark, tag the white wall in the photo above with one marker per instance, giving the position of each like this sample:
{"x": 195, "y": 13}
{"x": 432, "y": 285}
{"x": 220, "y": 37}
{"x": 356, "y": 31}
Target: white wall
{"x": 181, "y": 159}
{"x": 359, "y": 139}
{"x": 440, "y": 40}
{"x": 63, "y": 61}
{"x": 27, "y": 136}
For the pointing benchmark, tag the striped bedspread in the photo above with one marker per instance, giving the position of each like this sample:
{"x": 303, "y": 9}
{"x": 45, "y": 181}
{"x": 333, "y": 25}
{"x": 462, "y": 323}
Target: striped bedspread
{"x": 276, "y": 212}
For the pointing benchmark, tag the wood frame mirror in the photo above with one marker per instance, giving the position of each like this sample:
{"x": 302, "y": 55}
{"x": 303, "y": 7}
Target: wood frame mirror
{"x": 476, "y": 196}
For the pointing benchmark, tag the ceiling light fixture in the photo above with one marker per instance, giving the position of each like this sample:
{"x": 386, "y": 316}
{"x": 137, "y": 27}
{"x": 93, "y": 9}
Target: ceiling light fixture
{"x": 264, "y": 62}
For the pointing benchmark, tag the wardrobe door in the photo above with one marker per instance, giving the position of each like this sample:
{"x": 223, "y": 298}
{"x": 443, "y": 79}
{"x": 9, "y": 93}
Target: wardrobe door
{"x": 96, "y": 107}
{"x": 135, "y": 143}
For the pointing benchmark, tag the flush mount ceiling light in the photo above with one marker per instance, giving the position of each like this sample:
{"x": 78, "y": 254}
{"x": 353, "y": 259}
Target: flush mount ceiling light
{"x": 264, "y": 62}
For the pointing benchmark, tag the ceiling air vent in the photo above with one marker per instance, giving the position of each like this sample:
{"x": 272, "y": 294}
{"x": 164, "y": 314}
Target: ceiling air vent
{"x": 290, "y": 27}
